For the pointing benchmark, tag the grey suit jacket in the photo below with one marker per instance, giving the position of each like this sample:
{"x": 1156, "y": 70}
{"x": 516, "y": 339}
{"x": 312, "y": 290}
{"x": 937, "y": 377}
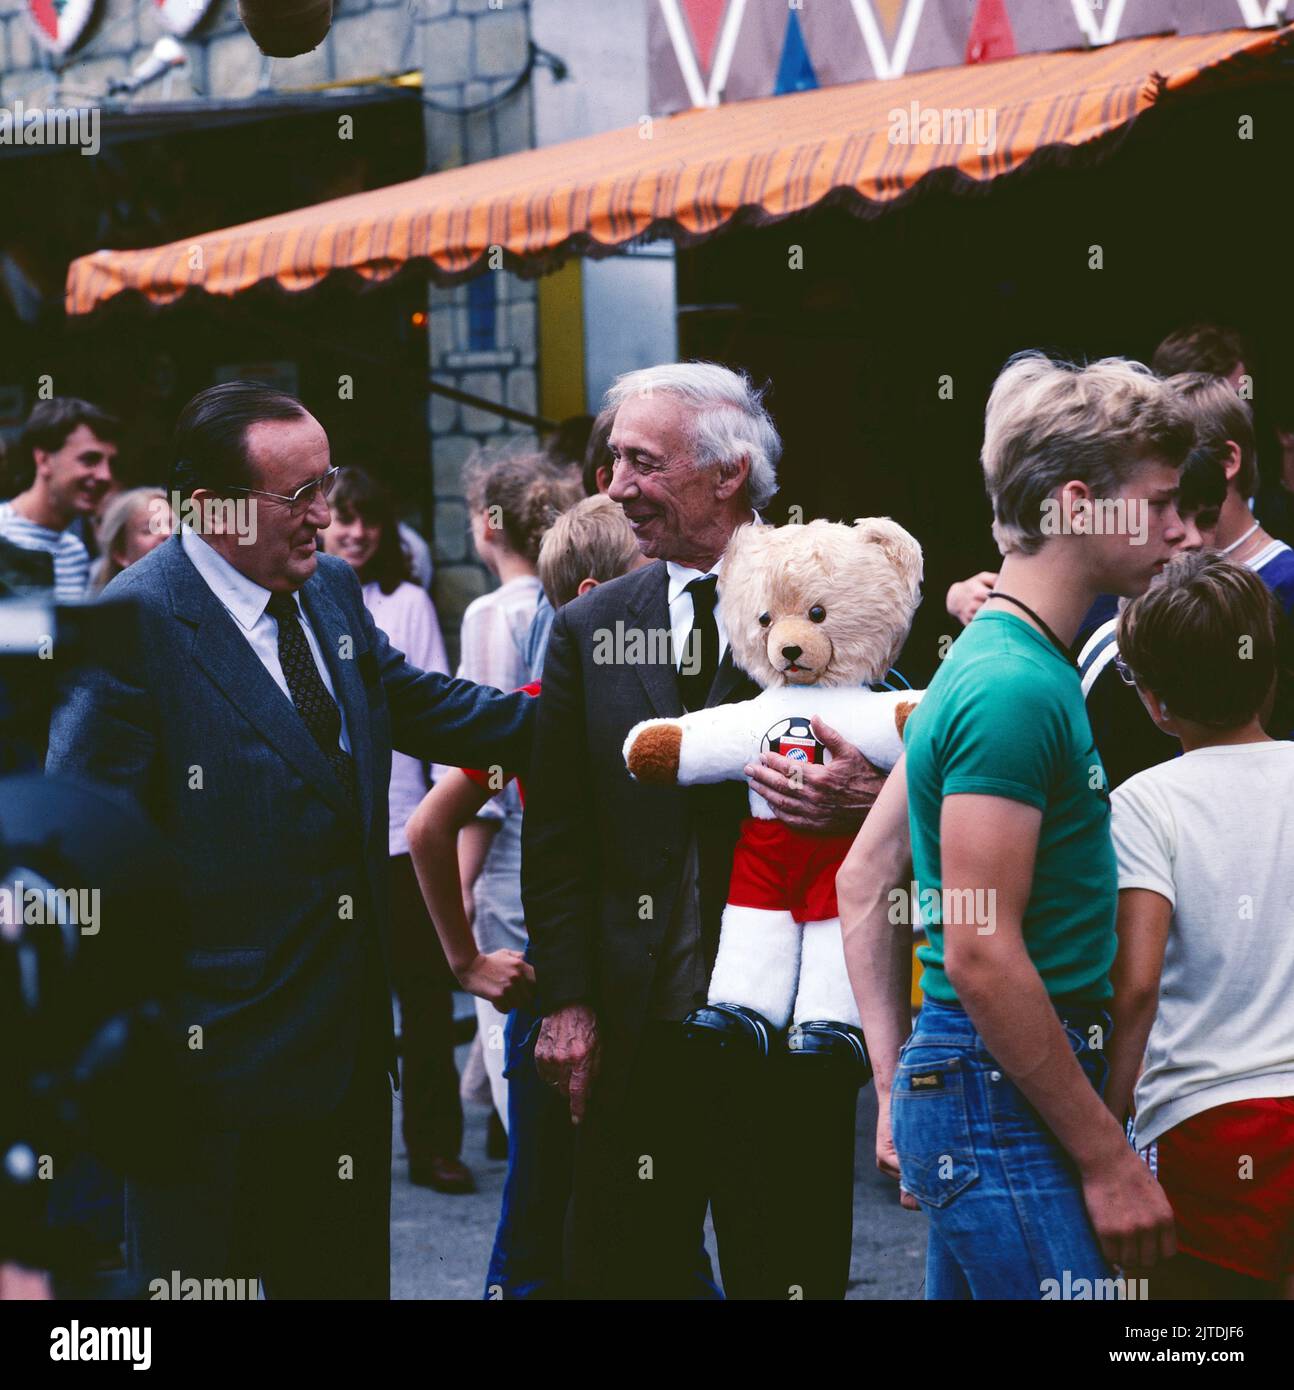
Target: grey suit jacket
{"x": 594, "y": 840}
{"x": 282, "y": 890}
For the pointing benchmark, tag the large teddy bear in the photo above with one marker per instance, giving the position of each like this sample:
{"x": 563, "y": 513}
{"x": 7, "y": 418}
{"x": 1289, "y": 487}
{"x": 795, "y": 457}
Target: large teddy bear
{"x": 815, "y": 614}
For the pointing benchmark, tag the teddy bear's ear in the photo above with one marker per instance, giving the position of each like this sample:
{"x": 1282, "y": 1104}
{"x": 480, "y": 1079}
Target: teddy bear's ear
{"x": 899, "y": 546}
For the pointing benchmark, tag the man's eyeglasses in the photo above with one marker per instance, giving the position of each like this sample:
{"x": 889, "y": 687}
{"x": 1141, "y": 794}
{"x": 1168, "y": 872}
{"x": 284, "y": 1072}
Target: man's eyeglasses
{"x": 1125, "y": 671}
{"x": 300, "y": 501}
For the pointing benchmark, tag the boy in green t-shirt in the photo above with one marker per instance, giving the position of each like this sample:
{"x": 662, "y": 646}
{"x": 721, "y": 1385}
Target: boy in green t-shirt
{"x": 994, "y": 1100}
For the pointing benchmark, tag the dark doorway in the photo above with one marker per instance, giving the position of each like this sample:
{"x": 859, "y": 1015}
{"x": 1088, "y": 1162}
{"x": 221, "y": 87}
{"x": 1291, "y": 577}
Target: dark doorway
{"x": 1192, "y": 222}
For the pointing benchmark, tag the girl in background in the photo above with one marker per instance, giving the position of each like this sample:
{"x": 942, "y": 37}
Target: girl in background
{"x": 589, "y": 544}
{"x": 365, "y": 533}
{"x": 512, "y": 500}
{"x": 134, "y": 523}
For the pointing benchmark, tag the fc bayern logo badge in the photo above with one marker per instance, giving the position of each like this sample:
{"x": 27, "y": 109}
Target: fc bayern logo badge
{"x": 58, "y": 24}
{"x": 182, "y": 16}
{"x": 793, "y": 738}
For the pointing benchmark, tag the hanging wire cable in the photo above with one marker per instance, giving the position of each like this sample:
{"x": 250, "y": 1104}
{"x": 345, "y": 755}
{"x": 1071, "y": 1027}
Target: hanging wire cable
{"x": 537, "y": 57}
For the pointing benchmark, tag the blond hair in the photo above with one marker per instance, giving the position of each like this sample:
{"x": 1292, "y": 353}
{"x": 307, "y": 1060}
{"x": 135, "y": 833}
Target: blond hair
{"x": 1049, "y": 423}
{"x": 593, "y": 540}
{"x": 1219, "y": 415}
{"x": 117, "y": 515}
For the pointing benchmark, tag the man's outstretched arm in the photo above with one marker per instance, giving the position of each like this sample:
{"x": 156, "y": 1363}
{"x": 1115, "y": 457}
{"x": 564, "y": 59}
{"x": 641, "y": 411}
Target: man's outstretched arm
{"x": 438, "y": 719}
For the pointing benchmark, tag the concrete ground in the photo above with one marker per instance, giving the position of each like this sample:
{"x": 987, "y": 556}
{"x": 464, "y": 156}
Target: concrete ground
{"x": 440, "y": 1245}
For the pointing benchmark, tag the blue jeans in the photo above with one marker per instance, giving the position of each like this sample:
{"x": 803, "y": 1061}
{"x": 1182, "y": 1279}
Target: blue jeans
{"x": 526, "y": 1262}
{"x": 1005, "y": 1206}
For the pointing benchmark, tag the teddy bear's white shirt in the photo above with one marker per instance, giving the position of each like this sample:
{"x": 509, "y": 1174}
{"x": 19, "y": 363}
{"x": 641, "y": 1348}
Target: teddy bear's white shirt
{"x": 718, "y": 743}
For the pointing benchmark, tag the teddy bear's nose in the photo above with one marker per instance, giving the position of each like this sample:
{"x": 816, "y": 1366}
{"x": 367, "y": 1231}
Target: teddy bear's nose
{"x": 792, "y": 653}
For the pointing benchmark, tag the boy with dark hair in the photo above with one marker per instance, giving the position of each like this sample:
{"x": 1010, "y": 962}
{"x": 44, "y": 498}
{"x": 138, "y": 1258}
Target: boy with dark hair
{"x": 1128, "y": 742}
{"x": 71, "y": 445}
{"x": 1203, "y": 347}
{"x": 1219, "y": 414}
{"x": 1205, "y": 969}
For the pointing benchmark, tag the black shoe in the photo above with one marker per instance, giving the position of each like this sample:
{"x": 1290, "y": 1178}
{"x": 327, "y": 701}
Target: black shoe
{"x": 829, "y": 1043}
{"x": 442, "y": 1175}
{"x": 496, "y": 1139}
{"x": 730, "y": 1027}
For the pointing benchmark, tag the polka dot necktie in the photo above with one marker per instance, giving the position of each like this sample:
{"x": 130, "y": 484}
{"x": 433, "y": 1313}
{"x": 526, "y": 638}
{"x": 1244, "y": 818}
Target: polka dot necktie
{"x": 315, "y": 705}
{"x": 701, "y": 654}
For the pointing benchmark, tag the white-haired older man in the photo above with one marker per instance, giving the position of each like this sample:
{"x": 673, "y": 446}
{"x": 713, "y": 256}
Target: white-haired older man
{"x": 624, "y": 884}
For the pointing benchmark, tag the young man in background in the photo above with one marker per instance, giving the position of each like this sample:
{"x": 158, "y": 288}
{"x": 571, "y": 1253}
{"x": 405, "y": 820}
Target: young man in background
{"x": 71, "y": 445}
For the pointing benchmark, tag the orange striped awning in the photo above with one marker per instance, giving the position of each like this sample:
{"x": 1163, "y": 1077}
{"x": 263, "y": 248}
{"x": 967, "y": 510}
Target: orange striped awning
{"x": 690, "y": 175}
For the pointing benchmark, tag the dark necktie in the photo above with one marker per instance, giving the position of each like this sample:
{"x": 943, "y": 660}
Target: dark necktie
{"x": 315, "y": 705}
{"x": 701, "y": 654}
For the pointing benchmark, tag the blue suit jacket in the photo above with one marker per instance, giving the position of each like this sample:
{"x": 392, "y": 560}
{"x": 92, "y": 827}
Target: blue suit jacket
{"x": 282, "y": 897}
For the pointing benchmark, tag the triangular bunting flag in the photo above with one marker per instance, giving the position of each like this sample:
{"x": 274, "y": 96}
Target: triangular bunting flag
{"x": 795, "y": 70}
{"x": 990, "y": 35}
{"x": 704, "y": 18}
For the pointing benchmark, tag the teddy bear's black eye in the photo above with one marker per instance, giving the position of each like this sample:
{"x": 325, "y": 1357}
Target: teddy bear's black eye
{"x": 817, "y": 613}
{"x": 765, "y": 619}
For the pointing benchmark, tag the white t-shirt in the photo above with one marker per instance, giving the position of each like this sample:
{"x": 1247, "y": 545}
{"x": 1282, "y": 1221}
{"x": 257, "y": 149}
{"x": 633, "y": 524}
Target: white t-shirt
{"x": 496, "y": 629}
{"x": 492, "y": 651}
{"x": 1213, "y": 832}
{"x": 408, "y": 618}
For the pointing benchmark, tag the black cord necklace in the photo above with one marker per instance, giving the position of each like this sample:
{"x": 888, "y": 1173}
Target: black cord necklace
{"x": 1047, "y": 632}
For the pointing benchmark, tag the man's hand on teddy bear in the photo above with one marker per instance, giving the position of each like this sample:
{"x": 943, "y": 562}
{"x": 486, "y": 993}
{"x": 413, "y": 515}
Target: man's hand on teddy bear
{"x": 831, "y": 799}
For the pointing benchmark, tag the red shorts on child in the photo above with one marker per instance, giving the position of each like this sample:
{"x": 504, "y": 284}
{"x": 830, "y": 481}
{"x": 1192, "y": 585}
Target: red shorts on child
{"x": 1229, "y": 1174}
{"x": 782, "y": 869}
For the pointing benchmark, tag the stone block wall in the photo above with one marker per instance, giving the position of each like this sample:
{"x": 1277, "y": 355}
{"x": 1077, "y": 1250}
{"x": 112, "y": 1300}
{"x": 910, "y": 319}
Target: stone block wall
{"x": 472, "y": 51}
{"x": 368, "y": 37}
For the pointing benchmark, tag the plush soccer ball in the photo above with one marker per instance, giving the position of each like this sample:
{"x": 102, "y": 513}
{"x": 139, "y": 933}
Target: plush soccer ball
{"x": 794, "y": 738}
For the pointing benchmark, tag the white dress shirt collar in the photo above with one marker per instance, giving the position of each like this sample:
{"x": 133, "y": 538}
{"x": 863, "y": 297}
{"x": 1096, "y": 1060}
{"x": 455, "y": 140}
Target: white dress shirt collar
{"x": 680, "y": 576}
{"x": 244, "y": 598}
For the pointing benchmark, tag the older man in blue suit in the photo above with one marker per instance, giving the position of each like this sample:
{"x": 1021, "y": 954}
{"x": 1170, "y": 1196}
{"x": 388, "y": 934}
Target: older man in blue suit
{"x": 254, "y": 722}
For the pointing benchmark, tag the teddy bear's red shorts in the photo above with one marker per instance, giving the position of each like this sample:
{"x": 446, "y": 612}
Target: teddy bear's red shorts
{"x": 784, "y": 870}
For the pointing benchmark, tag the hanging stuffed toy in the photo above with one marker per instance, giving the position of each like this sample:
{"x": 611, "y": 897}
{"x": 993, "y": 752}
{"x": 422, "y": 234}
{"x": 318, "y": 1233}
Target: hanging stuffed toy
{"x": 815, "y": 614}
